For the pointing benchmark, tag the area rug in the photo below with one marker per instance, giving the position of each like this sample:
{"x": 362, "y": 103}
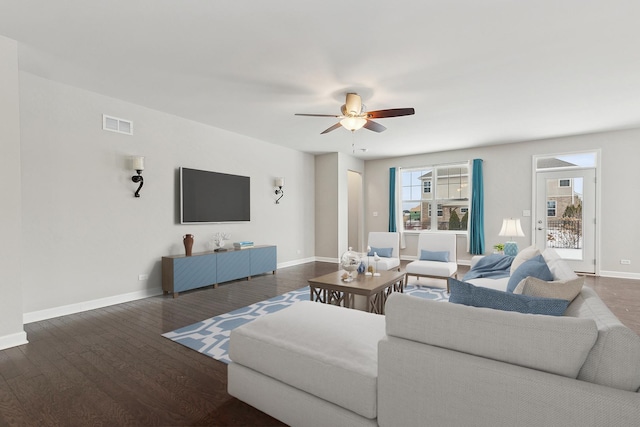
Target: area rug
{"x": 211, "y": 336}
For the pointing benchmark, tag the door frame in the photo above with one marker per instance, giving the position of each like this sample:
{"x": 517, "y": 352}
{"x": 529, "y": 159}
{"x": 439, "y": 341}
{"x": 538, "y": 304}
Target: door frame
{"x": 598, "y": 209}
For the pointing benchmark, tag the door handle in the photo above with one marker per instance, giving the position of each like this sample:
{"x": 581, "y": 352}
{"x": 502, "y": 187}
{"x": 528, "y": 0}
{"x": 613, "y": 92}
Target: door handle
{"x": 540, "y": 228}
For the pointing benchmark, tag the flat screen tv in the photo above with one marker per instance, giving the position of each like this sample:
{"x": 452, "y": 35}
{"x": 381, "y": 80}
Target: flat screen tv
{"x": 213, "y": 197}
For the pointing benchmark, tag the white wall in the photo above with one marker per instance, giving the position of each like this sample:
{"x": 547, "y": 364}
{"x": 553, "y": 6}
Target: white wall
{"x": 508, "y": 186}
{"x": 327, "y": 202}
{"x": 346, "y": 164}
{"x": 332, "y": 203}
{"x": 11, "y": 330}
{"x": 86, "y": 238}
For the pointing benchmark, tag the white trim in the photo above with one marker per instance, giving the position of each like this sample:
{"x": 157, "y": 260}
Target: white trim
{"x": 65, "y": 310}
{"x": 326, "y": 259}
{"x": 13, "y": 340}
{"x": 296, "y": 262}
{"x": 620, "y": 274}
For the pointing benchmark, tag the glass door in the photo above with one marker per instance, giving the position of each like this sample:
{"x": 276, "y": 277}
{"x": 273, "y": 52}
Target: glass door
{"x": 565, "y": 216}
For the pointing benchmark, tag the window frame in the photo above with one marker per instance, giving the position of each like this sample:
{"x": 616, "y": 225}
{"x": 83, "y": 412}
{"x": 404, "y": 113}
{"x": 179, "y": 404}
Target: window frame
{"x": 456, "y": 177}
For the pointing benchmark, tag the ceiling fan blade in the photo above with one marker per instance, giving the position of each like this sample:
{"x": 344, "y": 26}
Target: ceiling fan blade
{"x": 376, "y": 127}
{"x": 393, "y": 112}
{"x": 334, "y": 127}
{"x": 317, "y": 115}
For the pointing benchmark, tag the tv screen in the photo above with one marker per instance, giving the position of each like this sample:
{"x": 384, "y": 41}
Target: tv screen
{"x": 213, "y": 197}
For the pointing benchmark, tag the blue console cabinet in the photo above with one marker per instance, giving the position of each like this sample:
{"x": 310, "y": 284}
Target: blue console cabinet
{"x": 181, "y": 273}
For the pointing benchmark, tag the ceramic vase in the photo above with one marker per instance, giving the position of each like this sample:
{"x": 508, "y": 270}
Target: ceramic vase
{"x": 188, "y": 243}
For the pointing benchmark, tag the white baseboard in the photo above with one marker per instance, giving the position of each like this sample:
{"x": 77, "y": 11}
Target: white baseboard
{"x": 620, "y": 274}
{"x": 65, "y": 310}
{"x": 50, "y": 313}
{"x": 296, "y": 262}
{"x": 13, "y": 340}
{"x": 326, "y": 259}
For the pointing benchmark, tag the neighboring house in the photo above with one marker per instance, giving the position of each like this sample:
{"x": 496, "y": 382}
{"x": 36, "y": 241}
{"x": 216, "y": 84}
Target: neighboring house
{"x": 452, "y": 188}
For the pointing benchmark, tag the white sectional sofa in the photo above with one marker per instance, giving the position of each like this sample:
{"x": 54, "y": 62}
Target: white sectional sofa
{"x": 437, "y": 363}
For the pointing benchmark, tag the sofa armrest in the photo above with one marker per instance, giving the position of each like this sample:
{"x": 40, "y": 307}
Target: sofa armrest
{"x": 419, "y": 383}
{"x": 558, "y": 345}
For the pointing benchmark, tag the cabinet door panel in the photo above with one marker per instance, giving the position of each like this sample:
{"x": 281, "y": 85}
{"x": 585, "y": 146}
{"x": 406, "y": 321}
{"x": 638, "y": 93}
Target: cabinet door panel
{"x": 233, "y": 265}
{"x": 263, "y": 260}
{"x": 193, "y": 272}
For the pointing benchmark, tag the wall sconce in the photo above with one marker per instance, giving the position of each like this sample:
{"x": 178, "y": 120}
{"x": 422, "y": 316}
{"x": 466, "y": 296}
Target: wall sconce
{"x": 138, "y": 166}
{"x": 279, "y": 182}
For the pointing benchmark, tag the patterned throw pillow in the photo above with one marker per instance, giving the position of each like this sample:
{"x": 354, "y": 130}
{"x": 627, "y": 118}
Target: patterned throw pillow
{"x": 477, "y": 296}
{"x": 563, "y": 289}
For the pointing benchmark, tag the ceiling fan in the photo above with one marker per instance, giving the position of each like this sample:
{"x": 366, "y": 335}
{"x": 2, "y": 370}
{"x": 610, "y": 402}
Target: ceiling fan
{"x": 354, "y": 115}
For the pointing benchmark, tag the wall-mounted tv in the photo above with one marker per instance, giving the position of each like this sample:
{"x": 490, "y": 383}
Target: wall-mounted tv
{"x": 213, "y": 197}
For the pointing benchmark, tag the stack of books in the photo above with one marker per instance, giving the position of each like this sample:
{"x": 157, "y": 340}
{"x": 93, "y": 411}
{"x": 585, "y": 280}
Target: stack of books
{"x": 242, "y": 245}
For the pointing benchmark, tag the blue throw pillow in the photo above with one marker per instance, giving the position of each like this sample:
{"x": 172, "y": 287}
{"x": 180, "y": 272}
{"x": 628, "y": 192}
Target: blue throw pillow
{"x": 442, "y": 256}
{"x": 477, "y": 296}
{"x": 382, "y": 252}
{"x": 534, "y": 267}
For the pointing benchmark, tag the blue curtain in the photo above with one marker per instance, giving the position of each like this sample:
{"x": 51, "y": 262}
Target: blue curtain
{"x": 392, "y": 199}
{"x": 476, "y": 220}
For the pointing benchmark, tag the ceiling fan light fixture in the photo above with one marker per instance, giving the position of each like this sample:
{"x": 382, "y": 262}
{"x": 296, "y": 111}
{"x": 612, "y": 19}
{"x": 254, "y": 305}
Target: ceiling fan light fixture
{"x": 353, "y": 123}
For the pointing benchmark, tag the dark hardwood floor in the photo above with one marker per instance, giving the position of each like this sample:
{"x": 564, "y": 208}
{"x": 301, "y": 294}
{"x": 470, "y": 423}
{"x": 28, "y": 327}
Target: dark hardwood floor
{"x": 112, "y": 367}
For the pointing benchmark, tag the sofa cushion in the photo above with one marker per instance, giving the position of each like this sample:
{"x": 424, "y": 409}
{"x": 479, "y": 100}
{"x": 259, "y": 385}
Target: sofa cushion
{"x": 524, "y": 255}
{"x": 440, "y": 256}
{"x": 535, "y": 267}
{"x": 328, "y": 351}
{"x": 563, "y": 289}
{"x": 558, "y": 267}
{"x": 614, "y": 360}
{"x": 548, "y": 343}
{"x": 476, "y": 296}
{"x": 382, "y": 252}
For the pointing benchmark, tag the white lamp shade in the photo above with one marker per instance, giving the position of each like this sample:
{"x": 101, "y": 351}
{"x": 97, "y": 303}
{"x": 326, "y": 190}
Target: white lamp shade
{"x": 138, "y": 163}
{"x": 279, "y": 182}
{"x": 353, "y": 123}
{"x": 511, "y": 228}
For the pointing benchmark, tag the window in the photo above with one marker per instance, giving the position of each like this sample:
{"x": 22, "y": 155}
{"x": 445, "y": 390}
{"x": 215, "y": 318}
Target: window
{"x": 446, "y": 187}
{"x": 564, "y": 183}
{"x": 551, "y": 208}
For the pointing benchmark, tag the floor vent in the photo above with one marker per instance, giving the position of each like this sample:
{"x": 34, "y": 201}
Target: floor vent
{"x": 114, "y": 124}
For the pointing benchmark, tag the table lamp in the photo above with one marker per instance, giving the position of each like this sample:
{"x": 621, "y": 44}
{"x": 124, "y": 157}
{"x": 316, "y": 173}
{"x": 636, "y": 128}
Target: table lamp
{"x": 511, "y": 228}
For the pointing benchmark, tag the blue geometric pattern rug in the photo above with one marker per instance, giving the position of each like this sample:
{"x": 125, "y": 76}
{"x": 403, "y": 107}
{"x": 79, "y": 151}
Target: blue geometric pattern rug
{"x": 211, "y": 336}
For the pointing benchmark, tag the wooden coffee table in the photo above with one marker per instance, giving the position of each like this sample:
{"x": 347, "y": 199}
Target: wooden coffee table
{"x": 331, "y": 289}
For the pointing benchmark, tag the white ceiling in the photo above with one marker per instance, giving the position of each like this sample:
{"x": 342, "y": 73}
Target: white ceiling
{"x": 477, "y": 72}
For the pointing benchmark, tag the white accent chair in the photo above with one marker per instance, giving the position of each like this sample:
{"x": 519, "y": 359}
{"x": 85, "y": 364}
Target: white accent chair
{"x": 434, "y": 242}
{"x": 381, "y": 239}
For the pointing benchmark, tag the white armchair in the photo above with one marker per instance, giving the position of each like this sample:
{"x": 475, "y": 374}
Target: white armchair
{"x": 439, "y": 259}
{"x": 385, "y": 240}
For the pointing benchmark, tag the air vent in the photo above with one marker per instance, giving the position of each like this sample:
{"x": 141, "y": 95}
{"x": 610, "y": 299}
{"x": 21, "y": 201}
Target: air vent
{"x": 114, "y": 124}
